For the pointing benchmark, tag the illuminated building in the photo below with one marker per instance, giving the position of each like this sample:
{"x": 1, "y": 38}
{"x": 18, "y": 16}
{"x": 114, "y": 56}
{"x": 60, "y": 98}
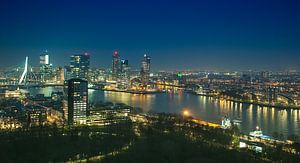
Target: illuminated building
{"x": 79, "y": 66}
{"x": 124, "y": 66}
{"x": 45, "y": 67}
{"x": 145, "y": 70}
{"x": 120, "y": 72}
{"x": 67, "y": 72}
{"x": 60, "y": 75}
{"x": 44, "y": 58}
{"x": 36, "y": 117}
{"x": 97, "y": 75}
{"x": 108, "y": 116}
{"x": 272, "y": 94}
{"x": 116, "y": 65}
{"x": 77, "y": 101}
{"x": 124, "y": 76}
{"x": 10, "y": 93}
{"x": 9, "y": 123}
{"x": 12, "y": 116}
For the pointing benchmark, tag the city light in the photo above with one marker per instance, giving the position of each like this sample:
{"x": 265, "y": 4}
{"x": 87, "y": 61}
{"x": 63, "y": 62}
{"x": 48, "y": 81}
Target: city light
{"x": 186, "y": 113}
{"x": 150, "y": 81}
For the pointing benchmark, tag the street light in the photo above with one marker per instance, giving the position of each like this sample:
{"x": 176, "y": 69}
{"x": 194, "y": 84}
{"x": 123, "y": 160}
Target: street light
{"x": 186, "y": 113}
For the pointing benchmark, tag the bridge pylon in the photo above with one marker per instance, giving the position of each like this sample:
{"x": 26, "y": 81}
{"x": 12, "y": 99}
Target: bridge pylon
{"x": 24, "y": 74}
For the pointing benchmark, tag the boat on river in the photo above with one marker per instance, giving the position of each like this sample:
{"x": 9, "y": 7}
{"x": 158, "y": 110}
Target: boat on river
{"x": 258, "y": 134}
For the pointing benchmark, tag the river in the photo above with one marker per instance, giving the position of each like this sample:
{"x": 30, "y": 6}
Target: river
{"x": 270, "y": 120}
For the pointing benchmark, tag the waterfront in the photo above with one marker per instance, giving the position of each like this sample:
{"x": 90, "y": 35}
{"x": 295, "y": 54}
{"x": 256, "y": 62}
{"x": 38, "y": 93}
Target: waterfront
{"x": 285, "y": 121}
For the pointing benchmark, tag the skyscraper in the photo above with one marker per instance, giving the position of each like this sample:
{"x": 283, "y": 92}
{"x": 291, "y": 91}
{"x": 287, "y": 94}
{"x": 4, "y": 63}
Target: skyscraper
{"x": 44, "y": 58}
{"x": 125, "y": 75}
{"x": 79, "y": 66}
{"x": 145, "y": 70}
{"x": 45, "y": 67}
{"x": 60, "y": 75}
{"x": 124, "y": 66}
{"x": 116, "y": 65}
{"x": 77, "y": 101}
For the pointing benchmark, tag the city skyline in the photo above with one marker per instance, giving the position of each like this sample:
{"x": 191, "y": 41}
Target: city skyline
{"x": 149, "y": 81}
{"x": 34, "y": 61}
{"x": 237, "y": 36}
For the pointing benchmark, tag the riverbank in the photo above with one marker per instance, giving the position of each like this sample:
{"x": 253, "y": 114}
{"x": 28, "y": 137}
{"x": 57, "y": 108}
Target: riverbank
{"x": 162, "y": 125}
{"x": 282, "y": 121}
{"x": 261, "y": 104}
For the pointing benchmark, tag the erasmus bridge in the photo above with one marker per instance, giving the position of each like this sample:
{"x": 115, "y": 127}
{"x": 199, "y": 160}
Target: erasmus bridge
{"x": 24, "y": 76}
{"x": 27, "y": 78}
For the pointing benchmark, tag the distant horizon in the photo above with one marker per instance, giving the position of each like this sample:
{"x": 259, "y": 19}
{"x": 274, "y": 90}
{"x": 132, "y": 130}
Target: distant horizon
{"x": 136, "y": 66}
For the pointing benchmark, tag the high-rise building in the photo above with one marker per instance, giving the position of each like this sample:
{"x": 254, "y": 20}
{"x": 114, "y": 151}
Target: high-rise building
{"x": 44, "y": 58}
{"x": 60, "y": 75}
{"x": 77, "y": 101}
{"x": 124, "y": 65}
{"x": 45, "y": 67}
{"x": 145, "y": 69}
{"x": 67, "y": 72}
{"x": 116, "y": 65}
{"x": 79, "y": 66}
{"x": 124, "y": 75}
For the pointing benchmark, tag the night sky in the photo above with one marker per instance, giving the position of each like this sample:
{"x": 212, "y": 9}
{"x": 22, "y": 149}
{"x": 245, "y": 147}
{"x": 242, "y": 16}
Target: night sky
{"x": 206, "y": 35}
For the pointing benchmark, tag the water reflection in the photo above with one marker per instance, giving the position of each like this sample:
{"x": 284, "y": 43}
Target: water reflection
{"x": 206, "y": 108}
{"x": 210, "y": 109}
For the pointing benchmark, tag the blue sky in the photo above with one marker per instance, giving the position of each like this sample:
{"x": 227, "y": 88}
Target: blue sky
{"x": 214, "y": 34}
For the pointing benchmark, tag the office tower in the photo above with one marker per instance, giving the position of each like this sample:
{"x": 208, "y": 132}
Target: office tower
{"x": 67, "y": 73}
{"x": 124, "y": 65}
{"x": 44, "y": 58}
{"x": 79, "y": 66}
{"x": 60, "y": 75}
{"x": 125, "y": 75}
{"x": 45, "y": 67}
{"x": 145, "y": 70}
{"x": 125, "y": 69}
{"x": 116, "y": 65}
{"x": 77, "y": 101}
